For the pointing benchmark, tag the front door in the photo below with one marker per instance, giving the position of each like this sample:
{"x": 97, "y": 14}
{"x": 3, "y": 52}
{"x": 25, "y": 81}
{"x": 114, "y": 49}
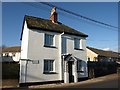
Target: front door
{"x": 70, "y": 70}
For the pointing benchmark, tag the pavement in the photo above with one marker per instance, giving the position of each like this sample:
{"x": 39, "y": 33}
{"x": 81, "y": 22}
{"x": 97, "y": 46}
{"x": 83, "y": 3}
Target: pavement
{"x": 108, "y": 81}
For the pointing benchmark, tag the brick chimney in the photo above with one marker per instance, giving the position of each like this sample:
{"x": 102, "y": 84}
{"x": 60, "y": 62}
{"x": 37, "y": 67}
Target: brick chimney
{"x": 54, "y": 15}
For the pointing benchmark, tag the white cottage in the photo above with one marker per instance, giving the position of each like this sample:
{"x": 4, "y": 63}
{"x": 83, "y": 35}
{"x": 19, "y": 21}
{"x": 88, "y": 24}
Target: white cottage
{"x": 51, "y": 51}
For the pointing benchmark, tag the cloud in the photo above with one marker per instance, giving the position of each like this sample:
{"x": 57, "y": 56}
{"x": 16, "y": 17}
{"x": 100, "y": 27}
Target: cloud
{"x": 107, "y": 49}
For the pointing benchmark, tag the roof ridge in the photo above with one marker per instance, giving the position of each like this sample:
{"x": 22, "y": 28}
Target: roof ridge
{"x": 36, "y": 17}
{"x": 104, "y": 53}
{"x": 96, "y": 48}
{"x": 101, "y": 49}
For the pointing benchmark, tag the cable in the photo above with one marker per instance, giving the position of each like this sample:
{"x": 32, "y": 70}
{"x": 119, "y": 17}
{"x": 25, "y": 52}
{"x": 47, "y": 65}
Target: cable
{"x": 73, "y": 13}
{"x": 71, "y": 18}
{"x": 63, "y": 14}
{"x": 102, "y": 40}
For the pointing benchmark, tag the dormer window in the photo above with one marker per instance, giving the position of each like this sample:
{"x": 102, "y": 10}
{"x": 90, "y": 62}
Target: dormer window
{"x": 49, "y": 40}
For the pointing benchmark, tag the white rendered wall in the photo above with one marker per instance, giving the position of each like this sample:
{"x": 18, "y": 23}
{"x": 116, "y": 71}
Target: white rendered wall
{"x": 24, "y": 42}
{"x": 37, "y": 51}
{"x": 32, "y": 48}
{"x": 24, "y": 53}
{"x": 79, "y": 54}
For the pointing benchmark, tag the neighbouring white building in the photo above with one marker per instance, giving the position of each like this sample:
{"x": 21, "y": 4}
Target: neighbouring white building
{"x": 11, "y": 54}
{"x": 51, "y": 51}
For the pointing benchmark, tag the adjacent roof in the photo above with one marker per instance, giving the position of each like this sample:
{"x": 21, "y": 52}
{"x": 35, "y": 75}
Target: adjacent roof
{"x": 12, "y": 49}
{"x": 48, "y": 25}
{"x": 104, "y": 53}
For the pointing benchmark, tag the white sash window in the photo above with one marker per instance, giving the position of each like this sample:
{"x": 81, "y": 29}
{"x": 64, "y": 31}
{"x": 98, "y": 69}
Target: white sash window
{"x": 49, "y": 40}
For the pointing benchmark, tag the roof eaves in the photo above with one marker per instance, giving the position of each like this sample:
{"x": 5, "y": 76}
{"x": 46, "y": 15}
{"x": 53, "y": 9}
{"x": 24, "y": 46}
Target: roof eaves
{"x": 50, "y": 30}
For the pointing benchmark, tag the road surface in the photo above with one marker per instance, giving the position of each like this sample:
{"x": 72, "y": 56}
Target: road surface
{"x": 109, "y": 81}
{"x": 113, "y": 83}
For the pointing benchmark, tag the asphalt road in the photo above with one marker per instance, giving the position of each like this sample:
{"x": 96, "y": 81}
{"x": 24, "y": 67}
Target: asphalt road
{"x": 110, "y": 81}
{"x": 103, "y": 84}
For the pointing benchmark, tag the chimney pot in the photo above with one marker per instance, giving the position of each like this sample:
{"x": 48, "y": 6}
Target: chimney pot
{"x": 54, "y": 15}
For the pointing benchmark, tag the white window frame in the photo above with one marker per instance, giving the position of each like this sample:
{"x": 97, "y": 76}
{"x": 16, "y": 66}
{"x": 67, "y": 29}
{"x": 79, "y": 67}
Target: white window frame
{"x": 47, "y": 43}
{"x": 81, "y": 43}
{"x": 53, "y": 70}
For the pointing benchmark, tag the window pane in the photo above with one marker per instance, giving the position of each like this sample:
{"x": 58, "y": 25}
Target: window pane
{"x": 48, "y": 65}
{"x": 51, "y": 65}
{"x": 64, "y": 45}
{"x": 79, "y": 63}
{"x": 49, "y": 39}
{"x": 46, "y": 39}
{"x": 76, "y": 43}
{"x": 45, "y": 64}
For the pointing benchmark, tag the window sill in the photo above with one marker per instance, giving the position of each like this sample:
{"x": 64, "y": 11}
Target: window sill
{"x": 50, "y": 46}
{"x": 78, "y": 49}
{"x": 49, "y": 73}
